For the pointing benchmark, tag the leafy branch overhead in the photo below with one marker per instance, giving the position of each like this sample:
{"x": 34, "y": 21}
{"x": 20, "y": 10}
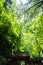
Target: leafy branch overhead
{"x": 21, "y": 30}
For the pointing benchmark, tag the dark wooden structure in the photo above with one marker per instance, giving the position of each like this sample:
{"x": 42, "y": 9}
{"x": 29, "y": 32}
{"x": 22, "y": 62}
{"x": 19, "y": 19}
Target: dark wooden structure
{"x": 14, "y": 60}
{"x": 22, "y": 56}
{"x": 34, "y": 61}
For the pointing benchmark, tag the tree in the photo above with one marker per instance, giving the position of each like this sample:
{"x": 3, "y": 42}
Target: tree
{"x": 21, "y": 34}
{"x": 8, "y": 34}
{"x": 29, "y": 38}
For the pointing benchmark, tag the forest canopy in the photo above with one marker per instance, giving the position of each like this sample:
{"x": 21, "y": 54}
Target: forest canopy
{"x": 21, "y": 28}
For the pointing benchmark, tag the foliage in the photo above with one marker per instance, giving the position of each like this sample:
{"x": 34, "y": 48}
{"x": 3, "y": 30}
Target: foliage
{"x": 37, "y": 31}
{"x": 8, "y": 35}
{"x": 20, "y": 35}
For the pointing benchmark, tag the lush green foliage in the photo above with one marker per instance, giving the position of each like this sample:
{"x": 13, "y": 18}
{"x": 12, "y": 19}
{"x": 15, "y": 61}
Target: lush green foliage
{"x": 17, "y": 35}
{"x": 9, "y": 37}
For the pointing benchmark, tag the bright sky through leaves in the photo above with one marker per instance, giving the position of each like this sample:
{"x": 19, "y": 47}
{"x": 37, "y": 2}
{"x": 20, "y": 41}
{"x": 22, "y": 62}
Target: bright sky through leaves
{"x": 24, "y": 1}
